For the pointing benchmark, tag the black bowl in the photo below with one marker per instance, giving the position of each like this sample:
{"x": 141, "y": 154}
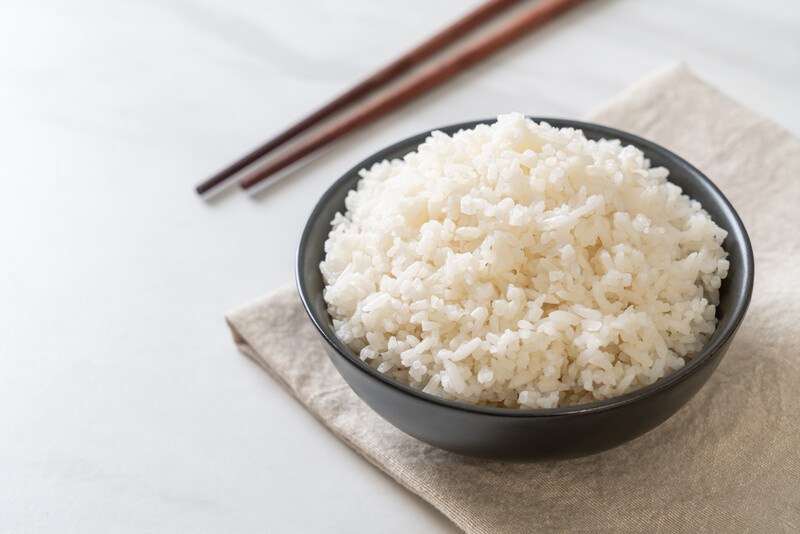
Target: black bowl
{"x": 526, "y": 434}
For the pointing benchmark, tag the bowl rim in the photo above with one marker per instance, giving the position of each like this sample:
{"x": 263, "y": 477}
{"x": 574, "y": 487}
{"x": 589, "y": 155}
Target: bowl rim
{"x": 729, "y": 327}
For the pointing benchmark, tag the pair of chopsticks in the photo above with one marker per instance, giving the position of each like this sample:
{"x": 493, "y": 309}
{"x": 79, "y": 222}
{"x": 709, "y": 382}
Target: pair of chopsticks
{"x": 416, "y": 85}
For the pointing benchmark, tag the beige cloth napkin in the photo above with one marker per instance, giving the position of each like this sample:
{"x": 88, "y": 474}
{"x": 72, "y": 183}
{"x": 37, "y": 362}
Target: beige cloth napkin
{"x": 727, "y": 462}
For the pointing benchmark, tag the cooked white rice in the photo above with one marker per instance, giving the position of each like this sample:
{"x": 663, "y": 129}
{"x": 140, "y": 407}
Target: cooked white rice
{"x": 522, "y": 265}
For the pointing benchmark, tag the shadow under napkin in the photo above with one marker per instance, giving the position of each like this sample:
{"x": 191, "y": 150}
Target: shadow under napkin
{"x": 726, "y": 462}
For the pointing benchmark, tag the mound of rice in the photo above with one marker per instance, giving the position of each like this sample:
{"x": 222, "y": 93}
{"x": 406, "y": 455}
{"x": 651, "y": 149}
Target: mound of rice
{"x": 522, "y": 265}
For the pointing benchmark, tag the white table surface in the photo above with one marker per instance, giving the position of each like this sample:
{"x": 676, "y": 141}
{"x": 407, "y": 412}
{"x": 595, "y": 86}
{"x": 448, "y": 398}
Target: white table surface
{"x": 124, "y": 406}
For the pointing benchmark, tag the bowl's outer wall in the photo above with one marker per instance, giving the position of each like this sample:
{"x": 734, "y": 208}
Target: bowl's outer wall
{"x": 521, "y": 438}
{"x": 556, "y": 437}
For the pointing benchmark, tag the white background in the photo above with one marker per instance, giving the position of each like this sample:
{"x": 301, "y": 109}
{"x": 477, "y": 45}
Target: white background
{"x": 124, "y": 406}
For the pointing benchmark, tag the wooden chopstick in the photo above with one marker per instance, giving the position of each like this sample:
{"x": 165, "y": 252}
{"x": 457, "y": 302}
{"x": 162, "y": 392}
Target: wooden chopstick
{"x": 466, "y": 24}
{"x": 417, "y": 85}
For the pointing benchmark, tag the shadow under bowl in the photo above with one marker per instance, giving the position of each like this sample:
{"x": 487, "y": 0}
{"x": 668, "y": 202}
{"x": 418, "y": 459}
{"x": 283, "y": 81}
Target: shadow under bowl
{"x": 531, "y": 434}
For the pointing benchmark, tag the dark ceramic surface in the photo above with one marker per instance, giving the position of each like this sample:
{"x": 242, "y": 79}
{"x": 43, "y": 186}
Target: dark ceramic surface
{"x": 525, "y": 434}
